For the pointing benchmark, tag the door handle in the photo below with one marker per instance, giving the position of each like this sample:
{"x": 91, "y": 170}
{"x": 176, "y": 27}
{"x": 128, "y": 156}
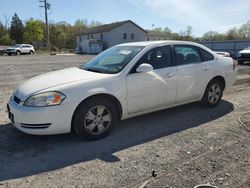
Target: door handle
{"x": 205, "y": 68}
{"x": 169, "y": 75}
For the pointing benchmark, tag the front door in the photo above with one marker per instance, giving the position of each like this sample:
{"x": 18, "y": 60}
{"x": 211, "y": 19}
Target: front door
{"x": 152, "y": 89}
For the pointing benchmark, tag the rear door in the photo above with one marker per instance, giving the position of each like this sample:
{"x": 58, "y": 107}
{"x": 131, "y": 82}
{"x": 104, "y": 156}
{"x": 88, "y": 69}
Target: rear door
{"x": 153, "y": 89}
{"x": 192, "y": 72}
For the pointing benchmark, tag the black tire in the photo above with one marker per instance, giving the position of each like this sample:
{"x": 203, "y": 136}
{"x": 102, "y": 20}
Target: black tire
{"x": 213, "y": 93}
{"x": 31, "y": 52}
{"x": 82, "y": 124}
{"x": 18, "y": 52}
{"x": 9, "y": 54}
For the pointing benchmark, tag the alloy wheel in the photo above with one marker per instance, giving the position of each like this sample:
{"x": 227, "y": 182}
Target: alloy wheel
{"x": 214, "y": 93}
{"x": 97, "y": 120}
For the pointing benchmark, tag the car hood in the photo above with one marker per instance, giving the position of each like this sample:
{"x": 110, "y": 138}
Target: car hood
{"x": 56, "y": 78}
{"x": 244, "y": 52}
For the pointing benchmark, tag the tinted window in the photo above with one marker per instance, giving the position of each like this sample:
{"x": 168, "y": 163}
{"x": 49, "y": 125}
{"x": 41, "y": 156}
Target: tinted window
{"x": 206, "y": 56}
{"x": 124, "y": 36}
{"x": 159, "y": 58}
{"x": 187, "y": 55}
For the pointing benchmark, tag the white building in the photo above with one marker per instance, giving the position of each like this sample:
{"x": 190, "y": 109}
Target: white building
{"x": 104, "y": 36}
{"x": 111, "y": 34}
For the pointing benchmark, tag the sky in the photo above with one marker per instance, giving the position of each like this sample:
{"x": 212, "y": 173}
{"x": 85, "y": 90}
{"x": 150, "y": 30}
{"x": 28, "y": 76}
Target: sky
{"x": 202, "y": 15}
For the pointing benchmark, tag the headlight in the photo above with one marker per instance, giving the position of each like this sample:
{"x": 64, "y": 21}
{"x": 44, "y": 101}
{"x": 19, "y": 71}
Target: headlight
{"x": 45, "y": 99}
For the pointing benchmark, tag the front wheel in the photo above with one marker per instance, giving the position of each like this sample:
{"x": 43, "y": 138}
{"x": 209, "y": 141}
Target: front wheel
{"x": 213, "y": 93}
{"x": 18, "y": 53}
{"x": 95, "y": 118}
{"x": 31, "y": 52}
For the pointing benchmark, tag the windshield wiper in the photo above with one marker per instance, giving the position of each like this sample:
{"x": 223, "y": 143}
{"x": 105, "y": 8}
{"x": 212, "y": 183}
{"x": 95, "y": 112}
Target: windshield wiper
{"x": 92, "y": 70}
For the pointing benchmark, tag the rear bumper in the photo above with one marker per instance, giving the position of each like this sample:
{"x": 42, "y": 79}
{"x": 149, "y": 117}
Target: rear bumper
{"x": 230, "y": 78}
{"x": 40, "y": 120}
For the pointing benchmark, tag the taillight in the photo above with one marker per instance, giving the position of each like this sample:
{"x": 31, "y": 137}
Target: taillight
{"x": 234, "y": 64}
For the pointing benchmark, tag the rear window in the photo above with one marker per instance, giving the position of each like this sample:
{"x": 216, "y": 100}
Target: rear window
{"x": 206, "y": 56}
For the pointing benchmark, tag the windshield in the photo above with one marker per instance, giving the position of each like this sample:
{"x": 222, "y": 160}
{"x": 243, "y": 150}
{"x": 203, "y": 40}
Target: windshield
{"x": 17, "y": 46}
{"x": 112, "y": 60}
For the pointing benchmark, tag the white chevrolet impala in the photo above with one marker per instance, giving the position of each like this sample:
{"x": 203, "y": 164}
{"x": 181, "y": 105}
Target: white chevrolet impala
{"x": 124, "y": 81}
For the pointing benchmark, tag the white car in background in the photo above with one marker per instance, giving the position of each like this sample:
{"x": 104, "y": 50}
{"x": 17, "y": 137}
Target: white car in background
{"x": 124, "y": 81}
{"x": 243, "y": 55}
{"x": 19, "y": 49}
{"x": 225, "y": 54}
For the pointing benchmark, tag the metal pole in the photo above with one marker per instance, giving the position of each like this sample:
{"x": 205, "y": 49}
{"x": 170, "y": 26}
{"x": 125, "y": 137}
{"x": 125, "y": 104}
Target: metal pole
{"x": 47, "y": 24}
{"x": 46, "y": 7}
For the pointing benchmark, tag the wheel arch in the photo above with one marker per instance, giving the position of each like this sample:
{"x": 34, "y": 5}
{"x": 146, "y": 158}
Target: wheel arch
{"x": 110, "y": 97}
{"x": 218, "y": 77}
{"x": 221, "y": 79}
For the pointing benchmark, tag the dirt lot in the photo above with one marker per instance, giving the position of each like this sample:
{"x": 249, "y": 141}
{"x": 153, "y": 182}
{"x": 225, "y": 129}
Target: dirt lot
{"x": 181, "y": 147}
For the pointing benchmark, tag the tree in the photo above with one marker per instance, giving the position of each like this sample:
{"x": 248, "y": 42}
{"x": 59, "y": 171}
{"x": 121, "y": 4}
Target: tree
{"x": 244, "y": 31}
{"x": 188, "y": 31}
{"x": 94, "y": 23}
{"x": 232, "y": 34}
{"x": 16, "y": 29}
{"x": 33, "y": 31}
{"x": 159, "y": 29}
{"x": 5, "y": 39}
{"x": 58, "y": 35}
{"x": 2, "y": 29}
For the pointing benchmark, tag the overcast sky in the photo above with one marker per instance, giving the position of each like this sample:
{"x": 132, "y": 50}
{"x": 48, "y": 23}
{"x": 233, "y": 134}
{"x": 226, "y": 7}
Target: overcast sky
{"x": 202, "y": 15}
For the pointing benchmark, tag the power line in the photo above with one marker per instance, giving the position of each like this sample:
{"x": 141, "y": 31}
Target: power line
{"x": 46, "y": 6}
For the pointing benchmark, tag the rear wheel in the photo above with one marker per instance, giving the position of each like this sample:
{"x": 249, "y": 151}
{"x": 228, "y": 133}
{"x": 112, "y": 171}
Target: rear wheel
{"x": 95, "y": 118}
{"x": 213, "y": 93}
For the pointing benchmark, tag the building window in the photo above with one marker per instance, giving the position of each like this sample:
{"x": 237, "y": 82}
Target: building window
{"x": 147, "y": 38}
{"x": 91, "y": 36}
{"x": 101, "y": 36}
{"x": 88, "y": 37}
{"x": 132, "y": 36}
{"x": 124, "y": 36}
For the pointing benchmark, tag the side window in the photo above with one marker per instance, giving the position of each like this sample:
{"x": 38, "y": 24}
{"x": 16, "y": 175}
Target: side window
{"x": 124, "y": 36}
{"x": 159, "y": 58}
{"x": 206, "y": 56}
{"x": 187, "y": 54}
{"x": 132, "y": 36}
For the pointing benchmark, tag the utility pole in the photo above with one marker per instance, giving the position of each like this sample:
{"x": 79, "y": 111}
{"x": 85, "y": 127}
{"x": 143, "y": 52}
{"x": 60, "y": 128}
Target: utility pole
{"x": 46, "y": 6}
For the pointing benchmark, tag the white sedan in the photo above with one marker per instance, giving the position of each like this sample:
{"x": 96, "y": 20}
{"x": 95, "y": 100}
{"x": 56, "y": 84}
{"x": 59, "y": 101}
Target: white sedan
{"x": 124, "y": 81}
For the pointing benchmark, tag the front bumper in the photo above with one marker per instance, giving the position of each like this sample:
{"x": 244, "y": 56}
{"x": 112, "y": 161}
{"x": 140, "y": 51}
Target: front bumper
{"x": 243, "y": 57}
{"x": 40, "y": 120}
{"x": 10, "y": 51}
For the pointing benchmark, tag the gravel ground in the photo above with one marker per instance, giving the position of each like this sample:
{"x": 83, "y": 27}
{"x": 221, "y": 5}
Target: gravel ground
{"x": 178, "y": 147}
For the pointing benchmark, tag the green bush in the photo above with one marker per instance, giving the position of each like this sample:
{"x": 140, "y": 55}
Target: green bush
{"x": 5, "y": 40}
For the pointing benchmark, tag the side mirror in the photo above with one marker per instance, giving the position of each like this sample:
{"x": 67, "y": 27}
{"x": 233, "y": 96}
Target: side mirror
{"x": 144, "y": 67}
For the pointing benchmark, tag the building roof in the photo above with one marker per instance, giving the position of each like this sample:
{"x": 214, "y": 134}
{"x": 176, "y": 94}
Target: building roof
{"x": 109, "y": 27}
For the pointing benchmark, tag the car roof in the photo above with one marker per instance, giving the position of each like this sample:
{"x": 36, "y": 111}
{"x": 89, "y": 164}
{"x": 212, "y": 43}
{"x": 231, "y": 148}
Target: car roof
{"x": 155, "y": 43}
{"x": 166, "y": 42}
